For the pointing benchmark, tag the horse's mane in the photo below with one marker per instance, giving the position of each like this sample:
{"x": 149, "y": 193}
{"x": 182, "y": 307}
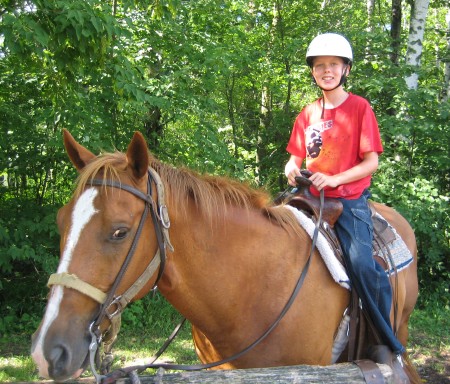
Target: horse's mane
{"x": 212, "y": 195}
{"x": 109, "y": 166}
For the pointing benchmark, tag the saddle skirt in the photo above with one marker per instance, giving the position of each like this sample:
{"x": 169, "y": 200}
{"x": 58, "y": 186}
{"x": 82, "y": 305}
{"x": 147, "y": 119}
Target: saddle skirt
{"x": 387, "y": 245}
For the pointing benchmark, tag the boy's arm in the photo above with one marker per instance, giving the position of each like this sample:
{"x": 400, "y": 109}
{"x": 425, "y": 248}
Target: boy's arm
{"x": 368, "y": 166}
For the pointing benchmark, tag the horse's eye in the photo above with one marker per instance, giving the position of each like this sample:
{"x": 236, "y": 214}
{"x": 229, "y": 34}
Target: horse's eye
{"x": 119, "y": 234}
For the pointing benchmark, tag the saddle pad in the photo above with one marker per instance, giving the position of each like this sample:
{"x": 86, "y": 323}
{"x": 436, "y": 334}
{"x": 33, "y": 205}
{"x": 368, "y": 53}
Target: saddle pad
{"x": 400, "y": 256}
{"x": 336, "y": 269}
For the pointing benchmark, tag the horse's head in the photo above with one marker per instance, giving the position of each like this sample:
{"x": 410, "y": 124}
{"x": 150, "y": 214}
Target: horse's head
{"x": 99, "y": 228}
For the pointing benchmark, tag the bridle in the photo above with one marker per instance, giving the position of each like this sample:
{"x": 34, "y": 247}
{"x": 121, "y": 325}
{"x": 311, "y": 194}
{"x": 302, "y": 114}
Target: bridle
{"x": 111, "y": 306}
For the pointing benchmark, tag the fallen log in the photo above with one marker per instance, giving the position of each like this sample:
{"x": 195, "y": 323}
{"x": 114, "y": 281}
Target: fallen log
{"x": 332, "y": 374}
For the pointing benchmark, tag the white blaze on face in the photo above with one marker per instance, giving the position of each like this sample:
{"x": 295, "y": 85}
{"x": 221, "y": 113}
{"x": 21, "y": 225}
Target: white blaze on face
{"x": 82, "y": 213}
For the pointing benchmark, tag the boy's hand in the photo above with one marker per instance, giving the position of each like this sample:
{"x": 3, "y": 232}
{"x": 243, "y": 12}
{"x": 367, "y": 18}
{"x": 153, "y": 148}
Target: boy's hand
{"x": 321, "y": 181}
{"x": 293, "y": 173}
{"x": 292, "y": 169}
{"x": 363, "y": 169}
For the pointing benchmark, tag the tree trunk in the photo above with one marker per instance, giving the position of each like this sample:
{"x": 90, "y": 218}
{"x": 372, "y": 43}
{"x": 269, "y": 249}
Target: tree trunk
{"x": 370, "y": 9}
{"x": 265, "y": 116}
{"x": 419, "y": 9}
{"x": 370, "y": 6}
{"x": 339, "y": 373}
{"x": 153, "y": 126}
{"x": 396, "y": 28}
{"x": 446, "y": 59}
{"x": 229, "y": 92}
{"x": 265, "y": 119}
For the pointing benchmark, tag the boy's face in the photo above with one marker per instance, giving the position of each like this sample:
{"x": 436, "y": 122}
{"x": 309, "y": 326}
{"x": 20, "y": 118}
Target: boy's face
{"x": 328, "y": 70}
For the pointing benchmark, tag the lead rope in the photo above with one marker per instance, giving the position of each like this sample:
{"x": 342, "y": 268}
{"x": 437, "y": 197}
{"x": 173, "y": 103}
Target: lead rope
{"x": 132, "y": 371}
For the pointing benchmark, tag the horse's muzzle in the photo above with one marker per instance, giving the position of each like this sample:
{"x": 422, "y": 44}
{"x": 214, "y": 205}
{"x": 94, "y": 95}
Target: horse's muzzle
{"x": 60, "y": 358}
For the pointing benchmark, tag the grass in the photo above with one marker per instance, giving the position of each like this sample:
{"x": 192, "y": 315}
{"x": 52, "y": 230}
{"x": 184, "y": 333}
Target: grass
{"x": 429, "y": 345}
{"x": 15, "y": 361}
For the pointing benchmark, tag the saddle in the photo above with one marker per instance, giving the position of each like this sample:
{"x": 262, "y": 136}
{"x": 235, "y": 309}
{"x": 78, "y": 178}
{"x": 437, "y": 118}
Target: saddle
{"x": 305, "y": 201}
{"x": 302, "y": 199}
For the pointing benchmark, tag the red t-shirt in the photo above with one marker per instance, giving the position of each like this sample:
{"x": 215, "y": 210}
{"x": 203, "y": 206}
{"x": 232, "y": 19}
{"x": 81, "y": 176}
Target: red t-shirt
{"x": 337, "y": 142}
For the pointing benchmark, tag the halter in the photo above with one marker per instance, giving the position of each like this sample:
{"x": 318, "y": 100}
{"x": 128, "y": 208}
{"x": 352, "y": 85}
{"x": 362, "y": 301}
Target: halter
{"x": 111, "y": 306}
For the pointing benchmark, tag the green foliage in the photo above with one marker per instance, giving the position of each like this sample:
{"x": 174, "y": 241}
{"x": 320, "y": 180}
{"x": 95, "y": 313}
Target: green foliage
{"x": 214, "y": 85}
{"x": 427, "y": 211}
{"x": 22, "y": 226}
{"x": 17, "y": 369}
{"x": 29, "y": 248}
{"x": 151, "y": 312}
{"x": 428, "y": 330}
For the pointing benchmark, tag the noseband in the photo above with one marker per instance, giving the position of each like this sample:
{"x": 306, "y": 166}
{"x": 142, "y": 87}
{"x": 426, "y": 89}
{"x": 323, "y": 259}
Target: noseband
{"x": 111, "y": 306}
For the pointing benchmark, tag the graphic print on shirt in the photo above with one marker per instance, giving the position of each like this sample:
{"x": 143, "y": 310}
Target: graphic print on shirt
{"x": 313, "y": 137}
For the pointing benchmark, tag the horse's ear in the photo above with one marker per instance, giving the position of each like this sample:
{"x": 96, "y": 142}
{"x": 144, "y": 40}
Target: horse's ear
{"x": 78, "y": 155}
{"x": 137, "y": 155}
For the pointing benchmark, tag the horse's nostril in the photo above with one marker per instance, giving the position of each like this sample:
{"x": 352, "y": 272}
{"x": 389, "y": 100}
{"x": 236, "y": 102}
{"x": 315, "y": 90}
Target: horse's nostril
{"x": 58, "y": 360}
{"x": 56, "y": 353}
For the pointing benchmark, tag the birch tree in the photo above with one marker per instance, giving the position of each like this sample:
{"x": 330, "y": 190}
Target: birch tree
{"x": 419, "y": 9}
{"x": 447, "y": 61}
{"x": 370, "y": 10}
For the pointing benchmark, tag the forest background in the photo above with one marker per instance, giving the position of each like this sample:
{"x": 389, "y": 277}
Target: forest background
{"x": 214, "y": 85}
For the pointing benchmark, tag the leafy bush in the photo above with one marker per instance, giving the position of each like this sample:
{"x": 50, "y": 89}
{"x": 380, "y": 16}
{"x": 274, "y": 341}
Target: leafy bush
{"x": 29, "y": 245}
{"x": 427, "y": 211}
{"x": 193, "y": 81}
{"x": 151, "y": 312}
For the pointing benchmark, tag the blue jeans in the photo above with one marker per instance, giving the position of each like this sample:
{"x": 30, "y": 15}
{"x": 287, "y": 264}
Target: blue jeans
{"x": 354, "y": 229}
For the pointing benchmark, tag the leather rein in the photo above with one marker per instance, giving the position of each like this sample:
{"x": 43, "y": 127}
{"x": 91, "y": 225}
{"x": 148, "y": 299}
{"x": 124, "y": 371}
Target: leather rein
{"x": 112, "y": 306}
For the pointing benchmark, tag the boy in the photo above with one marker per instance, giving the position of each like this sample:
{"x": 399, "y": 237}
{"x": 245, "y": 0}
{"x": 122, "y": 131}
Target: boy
{"x": 338, "y": 136}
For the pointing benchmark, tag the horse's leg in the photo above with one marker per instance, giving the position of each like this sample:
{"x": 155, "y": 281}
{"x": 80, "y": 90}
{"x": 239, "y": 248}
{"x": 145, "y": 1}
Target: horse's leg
{"x": 407, "y": 297}
{"x": 205, "y": 350}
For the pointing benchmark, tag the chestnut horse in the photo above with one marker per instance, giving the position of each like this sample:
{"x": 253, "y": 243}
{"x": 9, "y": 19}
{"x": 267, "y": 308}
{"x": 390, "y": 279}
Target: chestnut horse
{"x": 234, "y": 264}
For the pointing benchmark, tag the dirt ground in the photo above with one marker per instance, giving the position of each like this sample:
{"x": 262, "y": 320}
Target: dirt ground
{"x": 433, "y": 366}
{"x": 432, "y": 363}
{"x": 433, "y": 369}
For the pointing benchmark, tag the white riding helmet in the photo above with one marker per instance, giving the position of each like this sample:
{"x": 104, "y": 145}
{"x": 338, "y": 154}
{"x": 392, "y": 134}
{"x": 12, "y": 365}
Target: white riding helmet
{"x": 329, "y": 44}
